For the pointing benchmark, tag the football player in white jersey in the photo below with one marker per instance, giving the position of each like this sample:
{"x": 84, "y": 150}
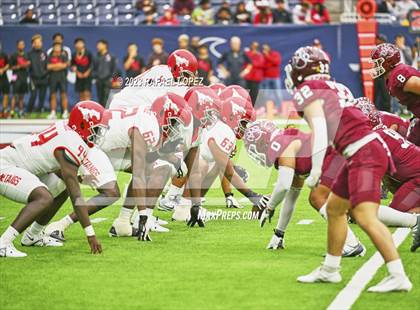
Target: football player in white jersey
{"x": 27, "y": 176}
{"x": 174, "y": 77}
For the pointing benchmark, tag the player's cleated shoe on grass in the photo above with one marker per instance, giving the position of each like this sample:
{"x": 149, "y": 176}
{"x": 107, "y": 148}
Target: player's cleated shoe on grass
{"x": 159, "y": 220}
{"x": 55, "y": 230}
{"x": 322, "y": 274}
{"x": 9, "y": 250}
{"x": 144, "y": 229}
{"x": 354, "y": 251}
{"x": 41, "y": 240}
{"x": 153, "y": 223}
{"x": 392, "y": 283}
{"x": 416, "y": 236}
{"x": 121, "y": 228}
{"x": 168, "y": 203}
{"x": 277, "y": 240}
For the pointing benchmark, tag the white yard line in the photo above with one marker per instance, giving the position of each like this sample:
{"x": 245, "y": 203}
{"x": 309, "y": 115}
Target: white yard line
{"x": 348, "y": 295}
{"x": 98, "y": 219}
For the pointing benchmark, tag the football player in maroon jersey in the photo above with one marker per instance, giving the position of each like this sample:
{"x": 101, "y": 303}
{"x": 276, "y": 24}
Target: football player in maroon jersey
{"x": 402, "y": 81}
{"x": 357, "y": 188}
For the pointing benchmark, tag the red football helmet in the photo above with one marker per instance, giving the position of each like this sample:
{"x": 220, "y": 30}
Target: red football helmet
{"x": 306, "y": 62}
{"x": 385, "y": 57}
{"x": 85, "y": 118}
{"x": 368, "y": 108}
{"x": 218, "y": 88}
{"x": 237, "y": 112}
{"x": 234, "y": 91}
{"x": 172, "y": 113}
{"x": 257, "y": 138}
{"x": 182, "y": 63}
{"x": 204, "y": 104}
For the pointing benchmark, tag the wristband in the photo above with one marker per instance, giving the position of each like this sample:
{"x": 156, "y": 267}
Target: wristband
{"x": 89, "y": 231}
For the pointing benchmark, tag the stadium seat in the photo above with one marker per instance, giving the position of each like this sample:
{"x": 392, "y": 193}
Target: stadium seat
{"x": 25, "y": 6}
{"x": 47, "y": 8}
{"x": 25, "y": 2}
{"x": 86, "y": 8}
{"x": 127, "y": 19}
{"x": 49, "y": 19}
{"x": 85, "y": 2}
{"x": 107, "y": 19}
{"x": 41, "y": 2}
{"x": 124, "y": 8}
{"x": 68, "y": 19}
{"x": 100, "y": 2}
{"x": 9, "y": 8}
{"x": 10, "y": 18}
{"x": 103, "y": 9}
{"x": 87, "y": 19}
{"x": 67, "y": 8}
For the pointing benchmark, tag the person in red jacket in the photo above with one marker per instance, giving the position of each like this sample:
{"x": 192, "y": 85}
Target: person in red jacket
{"x": 169, "y": 17}
{"x": 254, "y": 74}
{"x": 319, "y": 14}
{"x": 271, "y": 84}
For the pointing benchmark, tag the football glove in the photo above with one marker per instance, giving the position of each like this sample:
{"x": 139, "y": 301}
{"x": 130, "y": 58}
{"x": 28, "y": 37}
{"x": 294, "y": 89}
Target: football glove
{"x": 313, "y": 179}
{"x": 195, "y": 216}
{"x": 267, "y": 214}
{"x": 143, "y": 233}
{"x": 259, "y": 201}
{"x": 243, "y": 174}
{"x": 277, "y": 240}
{"x": 231, "y": 202}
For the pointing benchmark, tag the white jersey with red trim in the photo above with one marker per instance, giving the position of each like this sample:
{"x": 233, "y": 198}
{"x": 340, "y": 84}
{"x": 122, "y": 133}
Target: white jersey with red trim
{"x": 35, "y": 152}
{"x": 224, "y": 137}
{"x": 143, "y": 89}
{"x": 117, "y": 136}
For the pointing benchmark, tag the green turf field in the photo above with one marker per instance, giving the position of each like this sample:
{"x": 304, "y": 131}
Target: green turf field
{"x": 224, "y": 266}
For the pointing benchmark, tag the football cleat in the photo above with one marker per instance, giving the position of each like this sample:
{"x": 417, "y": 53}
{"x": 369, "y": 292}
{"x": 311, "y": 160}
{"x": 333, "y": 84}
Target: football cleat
{"x": 9, "y": 250}
{"x": 56, "y": 231}
{"x": 353, "y": 251}
{"x": 416, "y": 236}
{"x": 277, "y": 240}
{"x": 181, "y": 214}
{"x": 392, "y": 283}
{"x": 231, "y": 202}
{"x": 322, "y": 274}
{"x": 144, "y": 229}
{"x": 122, "y": 228}
{"x": 168, "y": 203}
{"x": 40, "y": 240}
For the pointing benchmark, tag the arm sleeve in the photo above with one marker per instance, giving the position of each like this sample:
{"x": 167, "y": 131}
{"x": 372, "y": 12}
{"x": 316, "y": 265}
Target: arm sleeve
{"x": 283, "y": 184}
{"x": 288, "y": 208}
{"x": 320, "y": 142}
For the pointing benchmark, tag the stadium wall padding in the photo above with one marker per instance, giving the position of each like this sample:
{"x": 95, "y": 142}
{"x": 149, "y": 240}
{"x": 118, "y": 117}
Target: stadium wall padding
{"x": 339, "y": 41}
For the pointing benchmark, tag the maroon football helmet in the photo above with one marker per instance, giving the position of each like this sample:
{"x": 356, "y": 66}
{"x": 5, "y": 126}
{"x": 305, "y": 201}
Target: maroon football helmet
{"x": 257, "y": 139}
{"x": 306, "y": 61}
{"x": 368, "y": 108}
{"x": 385, "y": 57}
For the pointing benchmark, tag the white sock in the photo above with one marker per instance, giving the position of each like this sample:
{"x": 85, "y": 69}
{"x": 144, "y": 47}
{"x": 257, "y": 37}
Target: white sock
{"x": 175, "y": 191}
{"x": 323, "y": 211}
{"x": 332, "y": 261}
{"x": 351, "y": 238}
{"x": 9, "y": 235}
{"x": 35, "y": 229}
{"x": 395, "y": 268}
{"x": 392, "y": 217}
{"x": 125, "y": 214}
{"x": 143, "y": 212}
{"x": 149, "y": 212}
{"x": 66, "y": 221}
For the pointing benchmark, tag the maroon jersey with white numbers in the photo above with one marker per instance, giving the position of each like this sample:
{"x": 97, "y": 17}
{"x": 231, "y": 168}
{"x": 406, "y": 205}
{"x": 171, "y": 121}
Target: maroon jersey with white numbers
{"x": 281, "y": 140}
{"x": 345, "y": 123}
{"x": 389, "y": 119}
{"x": 395, "y": 84}
{"x": 406, "y": 156}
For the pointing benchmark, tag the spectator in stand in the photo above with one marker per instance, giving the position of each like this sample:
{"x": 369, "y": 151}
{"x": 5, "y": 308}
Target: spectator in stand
{"x": 271, "y": 83}
{"x": 133, "y": 63}
{"x": 184, "y": 41}
{"x": 301, "y": 13}
{"x": 57, "y": 72}
{"x": 19, "y": 63}
{"x": 382, "y": 99}
{"x": 168, "y": 18}
{"x": 386, "y": 6}
{"x": 319, "y": 14}
{"x": 234, "y": 64}
{"x": 59, "y": 38}
{"x": 105, "y": 66}
{"x": 242, "y": 16}
{"x": 402, "y": 8}
{"x": 82, "y": 65}
{"x": 158, "y": 55}
{"x": 254, "y": 74}
{"x": 203, "y": 14}
{"x": 224, "y": 16}
{"x": 264, "y": 15}
{"x": 280, "y": 14}
{"x": 149, "y": 19}
{"x": 29, "y": 18}
{"x": 146, "y": 6}
{"x": 406, "y": 56}
{"x": 205, "y": 66}
{"x": 4, "y": 81}
{"x": 195, "y": 44}
{"x": 38, "y": 73}
{"x": 183, "y": 7}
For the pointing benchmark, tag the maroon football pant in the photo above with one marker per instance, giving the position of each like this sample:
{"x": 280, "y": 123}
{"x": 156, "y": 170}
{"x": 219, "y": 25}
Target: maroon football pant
{"x": 414, "y": 135}
{"x": 407, "y": 196}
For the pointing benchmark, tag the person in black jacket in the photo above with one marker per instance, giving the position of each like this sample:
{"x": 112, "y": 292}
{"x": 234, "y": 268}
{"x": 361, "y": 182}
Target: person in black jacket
{"x": 82, "y": 64}
{"x": 38, "y": 73}
{"x": 104, "y": 68}
{"x": 4, "y": 82}
{"x": 280, "y": 14}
